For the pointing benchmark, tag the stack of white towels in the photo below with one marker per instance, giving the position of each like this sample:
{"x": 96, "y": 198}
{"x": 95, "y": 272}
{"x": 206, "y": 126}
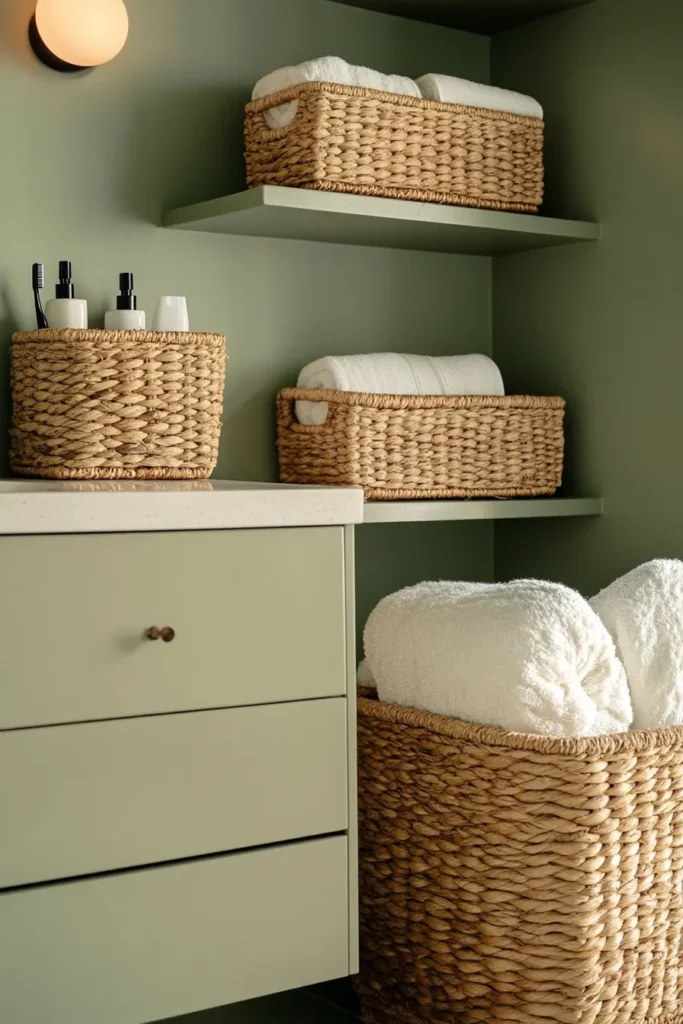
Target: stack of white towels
{"x": 445, "y": 88}
{"x": 391, "y": 373}
{"x": 535, "y": 657}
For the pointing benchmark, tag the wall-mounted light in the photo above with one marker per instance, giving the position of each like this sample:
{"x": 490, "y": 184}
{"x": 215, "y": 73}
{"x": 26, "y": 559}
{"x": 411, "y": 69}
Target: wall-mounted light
{"x": 73, "y": 35}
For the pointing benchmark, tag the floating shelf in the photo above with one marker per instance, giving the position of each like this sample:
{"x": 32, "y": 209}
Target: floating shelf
{"x": 510, "y": 508}
{"x": 487, "y": 16}
{"x": 273, "y": 211}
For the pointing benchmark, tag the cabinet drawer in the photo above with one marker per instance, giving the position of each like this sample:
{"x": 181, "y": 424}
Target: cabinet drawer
{"x": 258, "y": 617}
{"x": 81, "y": 799}
{"x": 145, "y": 945}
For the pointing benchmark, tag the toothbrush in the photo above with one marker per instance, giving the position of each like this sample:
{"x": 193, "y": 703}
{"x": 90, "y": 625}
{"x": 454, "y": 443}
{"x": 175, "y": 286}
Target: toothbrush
{"x": 38, "y": 284}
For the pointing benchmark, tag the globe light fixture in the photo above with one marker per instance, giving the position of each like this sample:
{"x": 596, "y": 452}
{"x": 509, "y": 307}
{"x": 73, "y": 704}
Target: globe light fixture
{"x": 73, "y": 35}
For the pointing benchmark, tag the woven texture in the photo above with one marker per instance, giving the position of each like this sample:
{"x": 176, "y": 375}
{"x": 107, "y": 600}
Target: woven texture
{"x": 116, "y": 404}
{"x": 518, "y": 879}
{"x": 348, "y": 139}
{"x": 404, "y": 446}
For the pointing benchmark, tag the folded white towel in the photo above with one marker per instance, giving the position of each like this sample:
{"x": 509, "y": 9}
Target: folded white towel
{"x": 643, "y": 611}
{"x": 325, "y": 69}
{"x": 528, "y": 656}
{"x": 389, "y": 373}
{"x": 472, "y": 94}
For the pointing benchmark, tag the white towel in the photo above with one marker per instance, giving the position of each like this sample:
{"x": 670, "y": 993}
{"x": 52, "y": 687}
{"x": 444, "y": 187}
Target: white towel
{"x": 389, "y": 373}
{"x": 325, "y": 69}
{"x": 643, "y": 611}
{"x": 528, "y": 656}
{"x": 364, "y": 676}
{"x": 471, "y": 94}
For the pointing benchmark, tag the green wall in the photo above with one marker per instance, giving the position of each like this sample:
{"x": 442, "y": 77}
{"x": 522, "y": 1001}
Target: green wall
{"x": 601, "y": 324}
{"x": 90, "y": 162}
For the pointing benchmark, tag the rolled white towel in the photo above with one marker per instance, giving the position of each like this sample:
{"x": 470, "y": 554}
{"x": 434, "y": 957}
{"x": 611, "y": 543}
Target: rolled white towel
{"x": 390, "y": 373}
{"x": 325, "y": 69}
{"x": 528, "y": 656}
{"x": 364, "y": 676}
{"x": 643, "y": 611}
{"x": 473, "y": 94}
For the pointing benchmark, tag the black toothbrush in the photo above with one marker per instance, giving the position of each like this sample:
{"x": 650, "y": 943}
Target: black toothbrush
{"x": 38, "y": 285}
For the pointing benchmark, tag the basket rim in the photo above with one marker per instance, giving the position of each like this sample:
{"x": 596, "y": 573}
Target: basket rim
{"x": 376, "y": 401}
{"x": 294, "y": 91}
{"x": 636, "y": 740}
{"x": 94, "y": 335}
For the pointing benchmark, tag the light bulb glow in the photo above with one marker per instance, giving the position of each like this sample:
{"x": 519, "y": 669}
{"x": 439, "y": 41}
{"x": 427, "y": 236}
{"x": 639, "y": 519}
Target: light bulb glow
{"x": 82, "y": 32}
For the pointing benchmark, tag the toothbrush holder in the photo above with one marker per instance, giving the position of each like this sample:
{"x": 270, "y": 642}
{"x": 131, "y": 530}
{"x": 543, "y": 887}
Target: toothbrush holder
{"x": 116, "y": 405}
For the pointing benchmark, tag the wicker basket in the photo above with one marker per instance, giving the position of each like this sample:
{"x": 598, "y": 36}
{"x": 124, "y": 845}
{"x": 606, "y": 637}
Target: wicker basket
{"x": 116, "y": 404}
{"x": 398, "y": 447}
{"x": 518, "y": 879}
{"x": 347, "y": 139}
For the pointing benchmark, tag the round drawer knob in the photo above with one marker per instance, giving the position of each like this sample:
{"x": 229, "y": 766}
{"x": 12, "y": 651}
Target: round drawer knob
{"x": 166, "y": 633}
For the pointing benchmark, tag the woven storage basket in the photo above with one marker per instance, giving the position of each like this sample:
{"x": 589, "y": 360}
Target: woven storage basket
{"x": 404, "y": 446}
{"x": 514, "y": 879}
{"x": 347, "y": 139}
{"x": 116, "y": 404}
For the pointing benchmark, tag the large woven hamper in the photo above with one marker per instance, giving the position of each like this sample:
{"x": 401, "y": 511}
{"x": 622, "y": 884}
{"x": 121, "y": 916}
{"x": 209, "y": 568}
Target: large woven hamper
{"x": 116, "y": 404}
{"x": 514, "y": 879}
{"x": 347, "y": 139}
{"x": 398, "y": 447}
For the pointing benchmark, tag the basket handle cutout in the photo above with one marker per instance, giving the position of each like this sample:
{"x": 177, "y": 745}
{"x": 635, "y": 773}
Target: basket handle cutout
{"x": 288, "y": 420}
{"x": 276, "y": 99}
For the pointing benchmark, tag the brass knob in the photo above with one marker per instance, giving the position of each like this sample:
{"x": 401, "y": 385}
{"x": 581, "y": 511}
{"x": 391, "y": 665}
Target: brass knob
{"x": 166, "y": 633}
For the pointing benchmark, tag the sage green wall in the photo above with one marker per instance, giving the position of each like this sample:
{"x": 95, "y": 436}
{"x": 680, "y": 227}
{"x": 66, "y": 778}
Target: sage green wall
{"x": 89, "y": 163}
{"x": 601, "y": 324}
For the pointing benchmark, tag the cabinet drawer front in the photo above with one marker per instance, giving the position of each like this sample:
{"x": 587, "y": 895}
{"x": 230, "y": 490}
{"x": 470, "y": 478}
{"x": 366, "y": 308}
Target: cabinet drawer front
{"x": 145, "y": 945}
{"x": 258, "y": 617}
{"x": 81, "y": 799}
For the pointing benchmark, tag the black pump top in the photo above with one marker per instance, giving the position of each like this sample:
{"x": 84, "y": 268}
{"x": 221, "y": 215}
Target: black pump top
{"x": 126, "y": 300}
{"x": 65, "y": 289}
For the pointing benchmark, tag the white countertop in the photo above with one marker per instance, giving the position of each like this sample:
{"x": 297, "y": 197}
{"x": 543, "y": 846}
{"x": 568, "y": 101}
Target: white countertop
{"x": 112, "y": 506}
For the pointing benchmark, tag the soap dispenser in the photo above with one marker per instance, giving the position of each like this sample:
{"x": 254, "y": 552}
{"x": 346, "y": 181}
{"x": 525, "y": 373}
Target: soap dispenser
{"x": 126, "y": 316}
{"x": 64, "y": 311}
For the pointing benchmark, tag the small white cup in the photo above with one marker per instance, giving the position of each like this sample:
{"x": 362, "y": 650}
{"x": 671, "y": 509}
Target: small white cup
{"x": 171, "y": 314}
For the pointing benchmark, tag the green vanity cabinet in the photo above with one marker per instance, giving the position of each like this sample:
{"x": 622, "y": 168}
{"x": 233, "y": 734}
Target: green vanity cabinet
{"x": 160, "y": 942}
{"x": 258, "y": 616}
{"x": 169, "y": 786}
{"x": 177, "y": 770}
